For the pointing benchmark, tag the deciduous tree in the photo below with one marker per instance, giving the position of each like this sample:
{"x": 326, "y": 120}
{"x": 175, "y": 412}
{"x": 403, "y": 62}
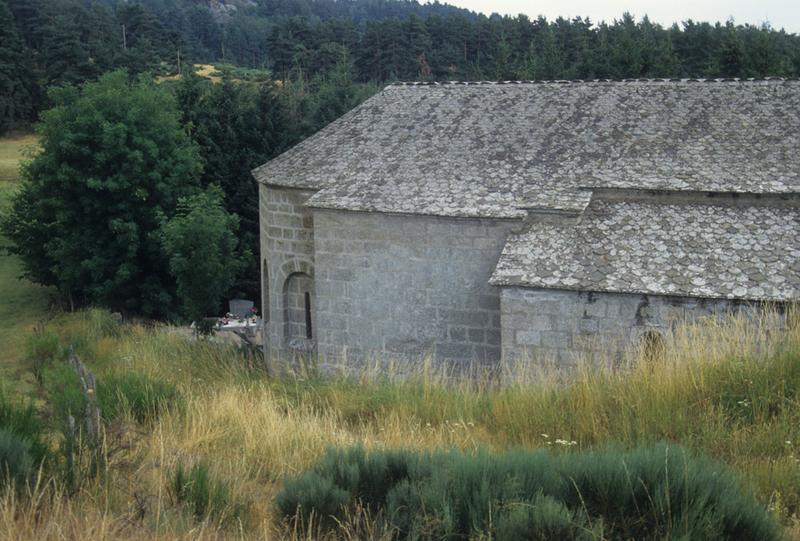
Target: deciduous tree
{"x": 201, "y": 246}
{"x": 114, "y": 158}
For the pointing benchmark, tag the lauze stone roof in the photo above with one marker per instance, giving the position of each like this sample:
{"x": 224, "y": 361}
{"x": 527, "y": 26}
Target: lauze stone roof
{"x": 696, "y": 250}
{"x": 477, "y": 149}
{"x": 504, "y": 150}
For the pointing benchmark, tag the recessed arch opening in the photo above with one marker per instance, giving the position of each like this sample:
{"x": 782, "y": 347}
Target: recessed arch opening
{"x": 298, "y": 294}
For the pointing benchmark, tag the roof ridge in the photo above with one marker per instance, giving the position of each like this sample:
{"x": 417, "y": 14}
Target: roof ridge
{"x": 650, "y": 80}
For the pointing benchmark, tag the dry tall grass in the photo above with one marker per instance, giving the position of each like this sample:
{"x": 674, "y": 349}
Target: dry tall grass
{"x": 727, "y": 387}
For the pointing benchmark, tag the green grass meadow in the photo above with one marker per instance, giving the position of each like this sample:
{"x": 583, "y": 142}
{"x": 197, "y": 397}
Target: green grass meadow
{"x": 22, "y": 303}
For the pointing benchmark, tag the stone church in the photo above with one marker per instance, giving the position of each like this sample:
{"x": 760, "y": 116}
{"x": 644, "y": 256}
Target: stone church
{"x": 474, "y": 221}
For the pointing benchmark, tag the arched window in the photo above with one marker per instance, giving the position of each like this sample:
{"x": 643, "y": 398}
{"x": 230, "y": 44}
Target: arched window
{"x": 298, "y": 306}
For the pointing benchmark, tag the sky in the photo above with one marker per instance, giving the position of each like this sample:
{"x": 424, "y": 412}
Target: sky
{"x": 779, "y": 13}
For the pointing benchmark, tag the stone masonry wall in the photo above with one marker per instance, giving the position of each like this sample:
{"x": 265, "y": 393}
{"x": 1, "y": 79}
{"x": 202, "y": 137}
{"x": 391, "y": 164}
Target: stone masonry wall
{"x": 561, "y": 325}
{"x": 404, "y": 286}
{"x": 287, "y": 248}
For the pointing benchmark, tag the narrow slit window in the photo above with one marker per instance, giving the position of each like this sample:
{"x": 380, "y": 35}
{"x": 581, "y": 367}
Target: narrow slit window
{"x": 309, "y": 334}
{"x": 265, "y": 292}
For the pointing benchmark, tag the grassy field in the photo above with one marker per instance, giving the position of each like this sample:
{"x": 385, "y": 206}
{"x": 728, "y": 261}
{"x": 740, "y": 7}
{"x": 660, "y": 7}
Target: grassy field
{"x": 12, "y": 150}
{"x": 729, "y": 389}
{"x": 22, "y": 303}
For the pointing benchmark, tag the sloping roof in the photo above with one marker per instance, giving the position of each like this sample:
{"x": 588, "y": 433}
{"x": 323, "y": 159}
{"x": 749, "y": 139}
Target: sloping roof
{"x": 697, "y": 250}
{"x": 489, "y": 149}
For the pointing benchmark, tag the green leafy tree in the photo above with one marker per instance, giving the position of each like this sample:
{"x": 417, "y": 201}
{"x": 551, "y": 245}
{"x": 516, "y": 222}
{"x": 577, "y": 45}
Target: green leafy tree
{"x": 114, "y": 159}
{"x": 238, "y": 126}
{"x": 201, "y": 246}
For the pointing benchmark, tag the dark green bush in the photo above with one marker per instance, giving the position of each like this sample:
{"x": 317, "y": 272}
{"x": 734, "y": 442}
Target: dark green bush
{"x": 205, "y": 495}
{"x": 312, "y": 493}
{"x": 16, "y": 462}
{"x": 144, "y": 397}
{"x": 655, "y": 492}
{"x": 543, "y": 518}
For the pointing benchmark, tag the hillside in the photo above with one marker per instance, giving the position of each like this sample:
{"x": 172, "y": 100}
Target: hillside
{"x": 52, "y": 42}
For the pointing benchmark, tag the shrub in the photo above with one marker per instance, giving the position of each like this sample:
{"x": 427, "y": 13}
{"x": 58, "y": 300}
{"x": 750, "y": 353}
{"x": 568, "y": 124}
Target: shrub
{"x": 312, "y": 493}
{"x": 653, "y": 492}
{"x": 541, "y": 519}
{"x": 205, "y": 495}
{"x": 42, "y": 348}
{"x": 64, "y": 393}
{"x": 80, "y": 450}
{"x": 144, "y": 397}
{"x": 16, "y": 462}
{"x": 83, "y": 331}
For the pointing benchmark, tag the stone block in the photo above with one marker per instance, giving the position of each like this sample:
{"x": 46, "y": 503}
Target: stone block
{"x": 487, "y": 354}
{"x": 614, "y": 324}
{"x": 415, "y": 297}
{"x": 489, "y": 302}
{"x": 455, "y": 352}
{"x": 543, "y": 322}
{"x": 467, "y": 318}
{"x": 458, "y": 334}
{"x": 344, "y": 275}
{"x": 493, "y": 337}
{"x": 556, "y": 340}
{"x": 476, "y": 336}
{"x": 405, "y": 346}
{"x": 588, "y": 326}
{"x": 528, "y": 338}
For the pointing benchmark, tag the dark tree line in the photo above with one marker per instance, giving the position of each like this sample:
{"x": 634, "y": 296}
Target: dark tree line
{"x": 51, "y": 42}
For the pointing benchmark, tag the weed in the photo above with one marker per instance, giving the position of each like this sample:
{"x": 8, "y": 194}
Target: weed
{"x": 16, "y": 462}
{"x": 205, "y": 495}
{"x": 22, "y": 420}
{"x": 143, "y": 397}
{"x": 42, "y": 349}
